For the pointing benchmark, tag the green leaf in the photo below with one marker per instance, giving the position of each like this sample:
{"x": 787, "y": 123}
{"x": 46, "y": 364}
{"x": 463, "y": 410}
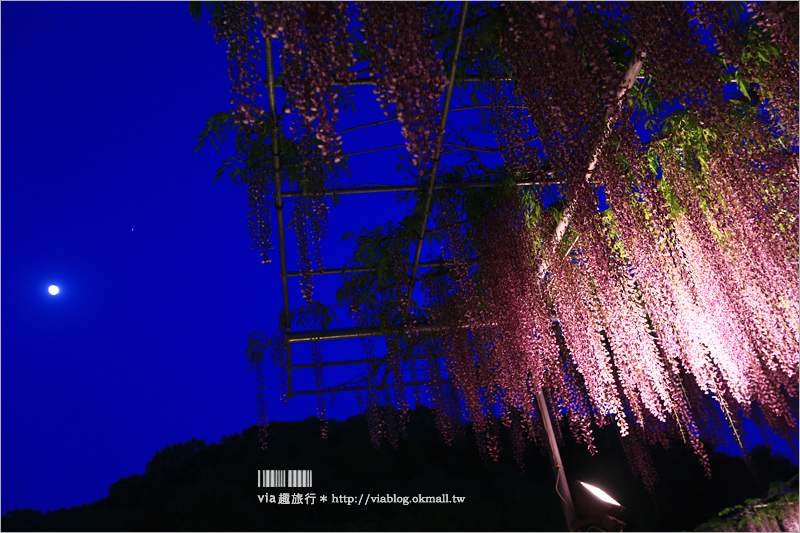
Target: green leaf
{"x": 414, "y": 223}
{"x": 217, "y": 125}
{"x": 220, "y": 171}
{"x": 474, "y": 97}
{"x": 742, "y": 85}
{"x": 196, "y": 11}
{"x": 254, "y": 350}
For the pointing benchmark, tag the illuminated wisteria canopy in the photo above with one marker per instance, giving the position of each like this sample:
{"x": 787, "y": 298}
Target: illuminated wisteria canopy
{"x": 650, "y": 285}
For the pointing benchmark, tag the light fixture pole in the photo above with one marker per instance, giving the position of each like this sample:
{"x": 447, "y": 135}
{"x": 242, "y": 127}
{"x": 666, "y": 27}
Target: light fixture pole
{"x": 562, "y": 487}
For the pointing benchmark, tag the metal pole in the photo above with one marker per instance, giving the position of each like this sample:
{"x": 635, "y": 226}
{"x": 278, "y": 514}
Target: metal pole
{"x": 332, "y": 334}
{"x": 562, "y": 487}
{"x": 360, "y": 361}
{"x": 440, "y": 138}
{"x": 364, "y": 387}
{"x": 403, "y": 188}
{"x": 634, "y": 67}
{"x": 373, "y": 81}
{"x": 276, "y": 177}
{"x": 386, "y": 121}
{"x": 355, "y": 270}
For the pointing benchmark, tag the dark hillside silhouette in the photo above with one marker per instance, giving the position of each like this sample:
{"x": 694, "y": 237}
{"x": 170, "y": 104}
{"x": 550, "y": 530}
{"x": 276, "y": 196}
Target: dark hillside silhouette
{"x": 198, "y": 487}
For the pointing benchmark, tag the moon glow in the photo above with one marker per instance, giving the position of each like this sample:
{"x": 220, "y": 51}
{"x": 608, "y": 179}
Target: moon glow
{"x": 52, "y": 289}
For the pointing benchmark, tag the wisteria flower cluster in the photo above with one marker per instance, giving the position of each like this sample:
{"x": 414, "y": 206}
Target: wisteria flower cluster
{"x": 317, "y": 55}
{"x": 409, "y": 74}
{"x": 258, "y": 200}
{"x": 310, "y": 212}
{"x": 234, "y": 23}
{"x": 677, "y": 301}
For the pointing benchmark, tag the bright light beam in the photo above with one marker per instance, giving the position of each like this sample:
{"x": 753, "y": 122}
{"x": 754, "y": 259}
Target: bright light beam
{"x": 601, "y": 494}
{"x": 52, "y": 289}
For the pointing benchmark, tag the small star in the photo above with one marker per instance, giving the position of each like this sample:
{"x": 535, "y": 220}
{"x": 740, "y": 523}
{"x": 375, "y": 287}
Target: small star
{"x": 323, "y": 498}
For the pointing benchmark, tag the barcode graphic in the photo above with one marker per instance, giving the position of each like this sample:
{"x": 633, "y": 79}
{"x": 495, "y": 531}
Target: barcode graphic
{"x": 284, "y": 478}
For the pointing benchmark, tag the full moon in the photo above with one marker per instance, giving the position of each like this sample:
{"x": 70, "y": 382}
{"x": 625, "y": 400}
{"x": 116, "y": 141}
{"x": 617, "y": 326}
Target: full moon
{"x": 52, "y": 289}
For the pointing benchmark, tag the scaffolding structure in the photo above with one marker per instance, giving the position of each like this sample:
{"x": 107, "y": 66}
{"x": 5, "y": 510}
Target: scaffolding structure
{"x": 293, "y": 337}
{"x": 660, "y": 233}
{"x": 351, "y": 333}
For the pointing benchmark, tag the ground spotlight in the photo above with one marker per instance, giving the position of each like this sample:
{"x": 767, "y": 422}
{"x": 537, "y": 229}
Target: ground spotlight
{"x": 595, "y": 509}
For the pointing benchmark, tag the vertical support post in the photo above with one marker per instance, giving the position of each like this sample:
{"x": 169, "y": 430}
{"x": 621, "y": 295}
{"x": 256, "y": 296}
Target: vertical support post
{"x": 562, "y": 487}
{"x": 437, "y": 151}
{"x": 276, "y": 178}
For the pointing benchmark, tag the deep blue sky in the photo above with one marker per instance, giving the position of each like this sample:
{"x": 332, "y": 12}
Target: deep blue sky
{"x": 102, "y": 196}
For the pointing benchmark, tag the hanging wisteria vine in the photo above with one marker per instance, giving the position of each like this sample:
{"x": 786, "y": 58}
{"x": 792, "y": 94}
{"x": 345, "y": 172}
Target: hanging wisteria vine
{"x": 235, "y": 23}
{"x": 669, "y": 307}
{"x": 317, "y": 55}
{"x": 409, "y": 74}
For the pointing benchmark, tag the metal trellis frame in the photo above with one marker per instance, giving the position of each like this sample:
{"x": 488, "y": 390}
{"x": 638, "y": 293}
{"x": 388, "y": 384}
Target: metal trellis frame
{"x": 291, "y": 338}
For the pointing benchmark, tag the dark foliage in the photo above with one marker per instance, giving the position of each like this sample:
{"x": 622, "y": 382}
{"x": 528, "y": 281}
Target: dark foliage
{"x": 192, "y": 486}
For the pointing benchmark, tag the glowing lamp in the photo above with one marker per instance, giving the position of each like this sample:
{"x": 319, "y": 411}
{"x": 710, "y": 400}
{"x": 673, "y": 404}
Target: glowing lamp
{"x": 595, "y": 508}
{"x": 603, "y": 495}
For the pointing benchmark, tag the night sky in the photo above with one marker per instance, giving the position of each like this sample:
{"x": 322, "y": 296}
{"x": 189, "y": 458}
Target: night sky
{"x": 101, "y": 195}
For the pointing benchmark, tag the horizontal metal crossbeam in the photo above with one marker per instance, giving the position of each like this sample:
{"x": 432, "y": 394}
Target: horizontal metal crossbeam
{"x": 403, "y": 188}
{"x": 374, "y": 81}
{"x": 364, "y": 387}
{"x": 349, "y": 270}
{"x": 359, "y": 361}
{"x": 332, "y": 334}
{"x": 336, "y": 334}
{"x": 350, "y": 333}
